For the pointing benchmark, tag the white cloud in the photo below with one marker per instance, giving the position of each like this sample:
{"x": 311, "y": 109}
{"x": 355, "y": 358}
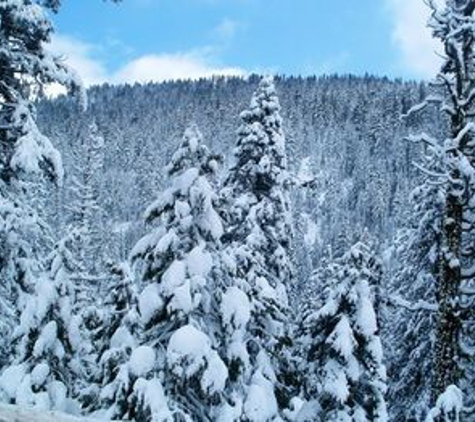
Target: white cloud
{"x": 163, "y": 67}
{"x": 413, "y": 38}
{"x": 148, "y": 68}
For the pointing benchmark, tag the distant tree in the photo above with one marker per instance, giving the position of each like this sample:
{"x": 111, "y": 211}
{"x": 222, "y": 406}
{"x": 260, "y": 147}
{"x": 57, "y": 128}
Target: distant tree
{"x": 85, "y": 211}
{"x": 411, "y": 321}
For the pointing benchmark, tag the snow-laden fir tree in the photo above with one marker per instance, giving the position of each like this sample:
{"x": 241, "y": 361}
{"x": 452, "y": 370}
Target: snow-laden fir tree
{"x": 344, "y": 362}
{"x": 410, "y": 320}
{"x": 258, "y": 239}
{"x": 46, "y": 366}
{"x": 26, "y": 68}
{"x": 180, "y": 301}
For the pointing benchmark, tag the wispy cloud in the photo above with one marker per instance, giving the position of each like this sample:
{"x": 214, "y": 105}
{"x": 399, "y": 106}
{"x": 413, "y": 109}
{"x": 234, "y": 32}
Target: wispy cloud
{"x": 157, "y": 67}
{"x": 163, "y": 67}
{"x": 413, "y": 38}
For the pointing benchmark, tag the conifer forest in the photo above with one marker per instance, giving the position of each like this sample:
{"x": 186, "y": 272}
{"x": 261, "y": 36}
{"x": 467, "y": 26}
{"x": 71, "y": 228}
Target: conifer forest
{"x": 258, "y": 248}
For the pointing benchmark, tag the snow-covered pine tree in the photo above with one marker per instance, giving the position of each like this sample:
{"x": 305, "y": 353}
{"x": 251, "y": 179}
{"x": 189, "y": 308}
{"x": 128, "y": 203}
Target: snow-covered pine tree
{"x": 46, "y": 365}
{"x": 179, "y": 304}
{"x": 410, "y": 329}
{"x": 453, "y": 24}
{"x": 344, "y": 368}
{"x": 26, "y": 69}
{"x": 255, "y": 204}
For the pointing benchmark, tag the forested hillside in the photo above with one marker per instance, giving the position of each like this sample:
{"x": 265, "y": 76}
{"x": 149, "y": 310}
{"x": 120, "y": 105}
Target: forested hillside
{"x": 345, "y": 133}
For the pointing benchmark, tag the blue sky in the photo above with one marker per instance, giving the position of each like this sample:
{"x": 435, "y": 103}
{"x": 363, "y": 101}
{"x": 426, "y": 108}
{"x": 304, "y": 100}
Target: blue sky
{"x": 142, "y": 40}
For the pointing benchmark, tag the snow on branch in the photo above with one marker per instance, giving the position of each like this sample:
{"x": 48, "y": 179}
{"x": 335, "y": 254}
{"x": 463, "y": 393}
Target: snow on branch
{"x": 17, "y": 414}
{"x": 449, "y": 406}
{"x": 423, "y": 137}
{"x": 428, "y": 172}
{"x": 420, "y": 305}
{"x": 421, "y": 106}
{"x": 469, "y": 127}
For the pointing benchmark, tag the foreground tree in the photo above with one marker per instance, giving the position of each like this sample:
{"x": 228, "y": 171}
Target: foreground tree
{"x": 179, "y": 305}
{"x": 26, "y": 69}
{"x": 453, "y": 25}
{"x": 46, "y": 370}
{"x": 258, "y": 238}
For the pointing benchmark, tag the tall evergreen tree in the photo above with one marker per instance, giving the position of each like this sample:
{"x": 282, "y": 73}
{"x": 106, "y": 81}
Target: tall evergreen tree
{"x": 452, "y": 24}
{"x": 26, "y": 69}
{"x": 258, "y": 237}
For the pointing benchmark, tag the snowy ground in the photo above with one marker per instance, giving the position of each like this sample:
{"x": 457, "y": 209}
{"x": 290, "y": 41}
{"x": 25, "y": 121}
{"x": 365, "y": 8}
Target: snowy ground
{"x": 16, "y": 414}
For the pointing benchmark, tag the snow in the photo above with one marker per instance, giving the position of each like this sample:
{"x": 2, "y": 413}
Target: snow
{"x": 151, "y": 394}
{"x": 47, "y": 339}
{"x": 342, "y": 338}
{"x": 37, "y": 305}
{"x": 182, "y": 300}
{"x": 235, "y": 308}
{"x": 260, "y": 404}
{"x": 39, "y": 374}
{"x": 366, "y": 316}
{"x": 199, "y": 262}
{"x": 265, "y": 290}
{"x": 336, "y": 382}
{"x": 183, "y": 182}
{"x": 33, "y": 148}
{"x": 182, "y": 210}
{"x": 173, "y": 277}
{"x": 122, "y": 338}
{"x": 11, "y": 379}
{"x": 10, "y": 413}
{"x": 308, "y": 412}
{"x": 305, "y": 173}
{"x": 215, "y": 376}
{"x": 189, "y": 351}
{"x": 311, "y": 232}
{"x": 449, "y": 405}
{"x": 142, "y": 361}
{"x": 150, "y": 303}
